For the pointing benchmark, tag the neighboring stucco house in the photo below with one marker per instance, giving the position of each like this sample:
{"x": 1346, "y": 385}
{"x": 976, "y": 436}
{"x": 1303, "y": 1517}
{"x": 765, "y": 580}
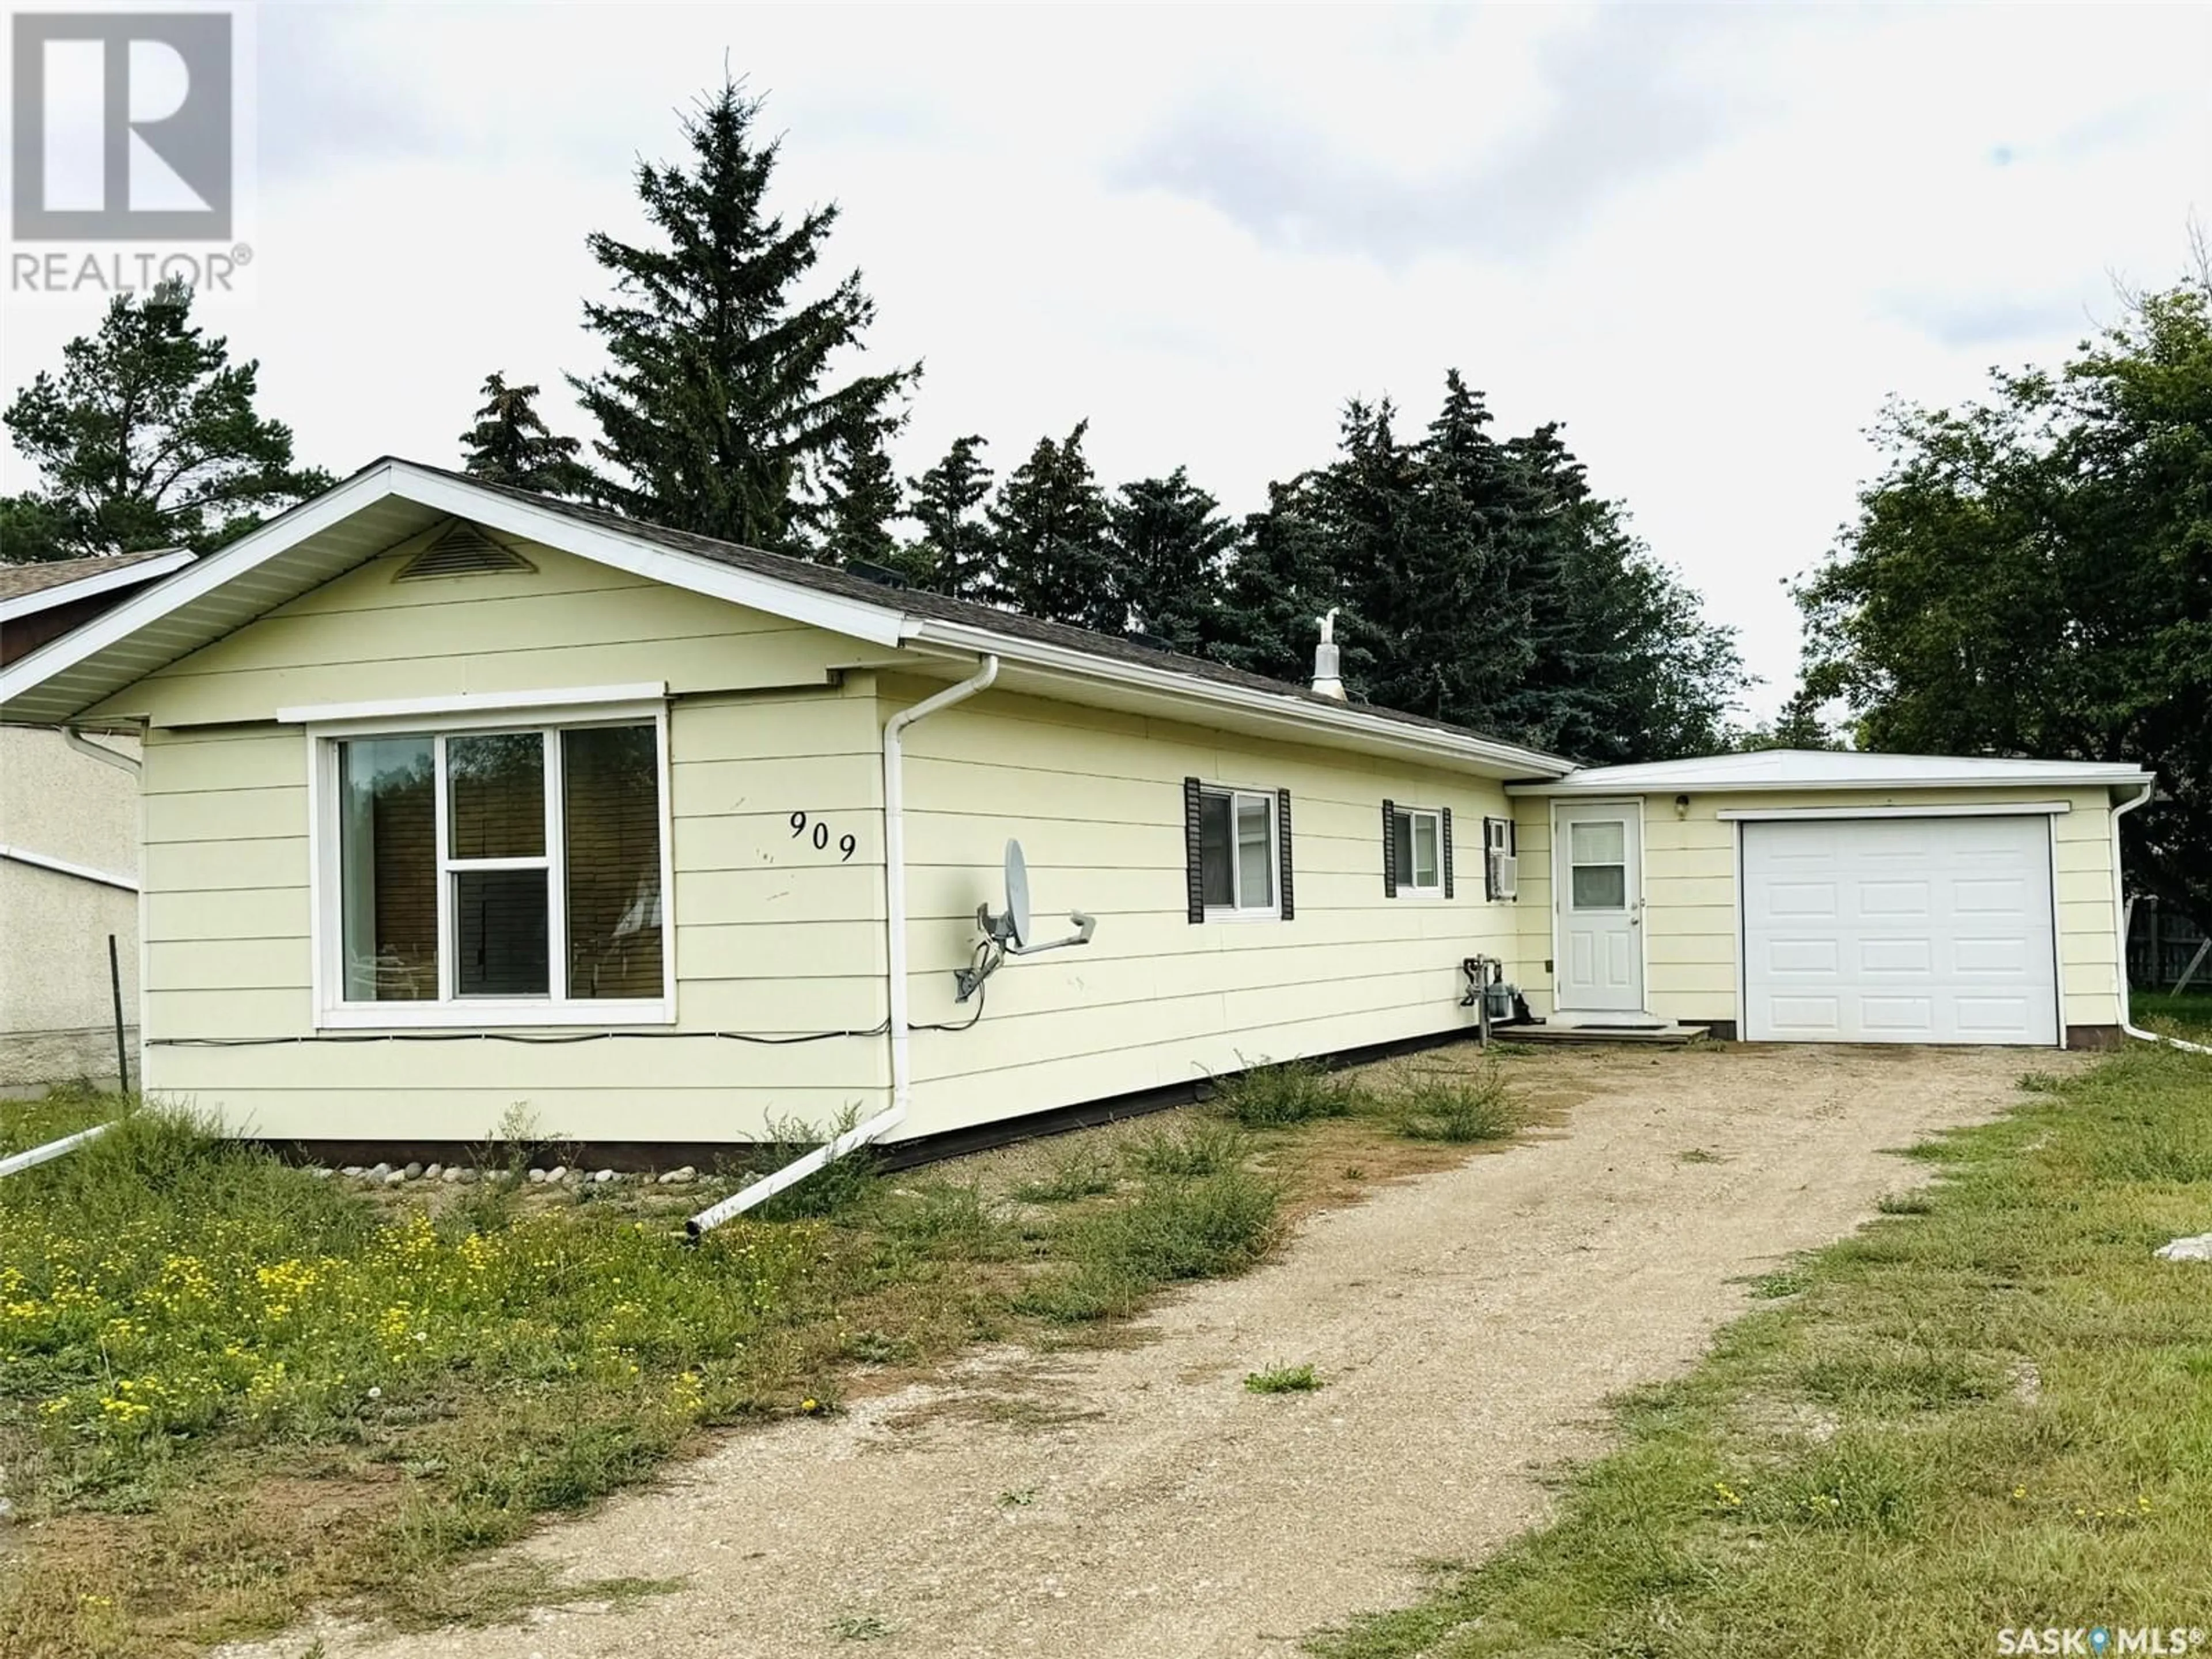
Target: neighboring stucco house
{"x": 68, "y": 847}
{"x": 457, "y": 797}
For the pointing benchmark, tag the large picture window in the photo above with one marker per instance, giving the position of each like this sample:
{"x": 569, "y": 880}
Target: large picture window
{"x": 480, "y": 875}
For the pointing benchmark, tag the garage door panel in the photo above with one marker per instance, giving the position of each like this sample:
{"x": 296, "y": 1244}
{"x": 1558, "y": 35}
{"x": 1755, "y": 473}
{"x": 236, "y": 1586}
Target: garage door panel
{"x": 1896, "y": 955}
{"x": 1802, "y": 955}
{"x": 1802, "y": 899}
{"x": 1815, "y": 1019}
{"x": 1893, "y": 900}
{"x": 1907, "y": 1015}
{"x": 1989, "y": 955}
{"x": 1921, "y": 930}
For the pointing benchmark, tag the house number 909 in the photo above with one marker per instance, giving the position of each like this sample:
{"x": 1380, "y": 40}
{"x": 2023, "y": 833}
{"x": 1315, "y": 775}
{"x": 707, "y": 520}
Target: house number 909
{"x": 818, "y": 832}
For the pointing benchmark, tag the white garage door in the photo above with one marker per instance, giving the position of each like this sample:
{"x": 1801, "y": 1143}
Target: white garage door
{"x": 1899, "y": 930}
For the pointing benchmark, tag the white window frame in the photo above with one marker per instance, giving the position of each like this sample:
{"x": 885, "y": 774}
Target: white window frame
{"x": 437, "y": 719}
{"x": 1235, "y": 795}
{"x": 1407, "y": 887}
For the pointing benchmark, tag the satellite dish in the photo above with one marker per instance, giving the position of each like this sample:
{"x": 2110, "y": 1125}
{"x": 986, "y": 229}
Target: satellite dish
{"x": 1017, "y": 896}
{"x": 1008, "y": 934}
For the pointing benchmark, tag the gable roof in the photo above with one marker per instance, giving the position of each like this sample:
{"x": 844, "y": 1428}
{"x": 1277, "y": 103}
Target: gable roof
{"x": 392, "y": 500}
{"x": 1821, "y": 769}
{"x": 27, "y": 588}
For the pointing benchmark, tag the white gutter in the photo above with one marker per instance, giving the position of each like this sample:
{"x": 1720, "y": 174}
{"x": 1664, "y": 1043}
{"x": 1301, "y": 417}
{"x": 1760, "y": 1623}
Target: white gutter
{"x": 1196, "y": 691}
{"x": 52, "y": 1150}
{"x": 63, "y": 867}
{"x": 896, "y": 954}
{"x": 2120, "y": 911}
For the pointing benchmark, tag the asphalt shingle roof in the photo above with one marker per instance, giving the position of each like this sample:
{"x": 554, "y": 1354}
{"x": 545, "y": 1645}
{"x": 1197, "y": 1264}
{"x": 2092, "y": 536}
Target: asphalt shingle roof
{"x": 916, "y": 602}
{"x": 18, "y": 580}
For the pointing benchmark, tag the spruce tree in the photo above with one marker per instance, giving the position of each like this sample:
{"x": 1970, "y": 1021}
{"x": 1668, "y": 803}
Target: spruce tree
{"x": 1283, "y": 578}
{"x": 718, "y": 413}
{"x": 148, "y": 437}
{"x": 956, "y": 552}
{"x": 1170, "y": 547}
{"x": 861, "y": 498}
{"x": 510, "y": 444}
{"x": 1049, "y": 522}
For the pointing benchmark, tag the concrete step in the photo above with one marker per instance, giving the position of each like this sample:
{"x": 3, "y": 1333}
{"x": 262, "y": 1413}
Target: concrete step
{"x": 1664, "y": 1037}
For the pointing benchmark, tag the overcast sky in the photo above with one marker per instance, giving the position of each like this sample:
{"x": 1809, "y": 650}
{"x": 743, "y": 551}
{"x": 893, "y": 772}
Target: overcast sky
{"x": 1709, "y": 241}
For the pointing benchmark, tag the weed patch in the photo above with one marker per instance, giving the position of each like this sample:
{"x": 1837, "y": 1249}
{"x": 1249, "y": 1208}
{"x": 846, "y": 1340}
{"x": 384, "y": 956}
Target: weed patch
{"x": 1283, "y": 1379}
{"x": 1080, "y": 1172}
{"x": 1294, "y": 1091}
{"x": 1458, "y": 1108}
{"x": 1200, "y": 1227}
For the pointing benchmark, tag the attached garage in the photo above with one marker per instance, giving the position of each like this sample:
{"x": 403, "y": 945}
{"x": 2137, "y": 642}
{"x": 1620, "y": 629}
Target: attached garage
{"x": 1906, "y": 929}
{"x": 1790, "y": 896}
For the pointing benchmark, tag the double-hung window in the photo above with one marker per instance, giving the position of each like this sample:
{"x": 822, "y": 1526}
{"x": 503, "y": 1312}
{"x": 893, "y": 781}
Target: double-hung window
{"x": 1236, "y": 852}
{"x": 494, "y": 871}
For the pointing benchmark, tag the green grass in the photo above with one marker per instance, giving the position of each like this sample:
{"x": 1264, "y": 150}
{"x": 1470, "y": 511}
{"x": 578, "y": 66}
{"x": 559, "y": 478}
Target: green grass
{"x": 1174, "y": 1228}
{"x": 1079, "y": 1171}
{"x": 1996, "y": 1411}
{"x": 230, "y": 1390}
{"x": 1457, "y": 1107}
{"x": 1292, "y": 1091}
{"x": 2187, "y": 1016}
{"x": 1283, "y": 1379}
{"x": 1195, "y": 1149}
{"x": 27, "y": 1123}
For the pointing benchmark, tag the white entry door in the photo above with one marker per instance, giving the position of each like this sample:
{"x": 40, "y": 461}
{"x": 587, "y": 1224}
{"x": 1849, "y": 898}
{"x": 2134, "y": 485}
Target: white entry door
{"x": 1899, "y": 930}
{"x": 1597, "y": 865}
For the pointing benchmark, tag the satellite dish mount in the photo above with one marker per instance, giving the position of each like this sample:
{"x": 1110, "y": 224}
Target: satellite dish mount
{"x": 1009, "y": 933}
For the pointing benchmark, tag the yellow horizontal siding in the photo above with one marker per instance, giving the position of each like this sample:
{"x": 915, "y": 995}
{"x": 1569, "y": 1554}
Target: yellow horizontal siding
{"x": 1097, "y": 801}
{"x": 363, "y": 637}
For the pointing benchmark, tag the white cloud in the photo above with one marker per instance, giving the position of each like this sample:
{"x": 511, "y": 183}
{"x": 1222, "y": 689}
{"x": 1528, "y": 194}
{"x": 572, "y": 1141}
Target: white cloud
{"x": 1710, "y": 242}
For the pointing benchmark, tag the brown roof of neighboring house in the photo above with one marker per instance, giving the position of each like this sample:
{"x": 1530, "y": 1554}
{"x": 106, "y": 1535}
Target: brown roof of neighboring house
{"x": 17, "y": 580}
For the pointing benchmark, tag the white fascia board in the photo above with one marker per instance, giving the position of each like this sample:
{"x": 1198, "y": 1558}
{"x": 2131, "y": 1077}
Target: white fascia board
{"x": 1996, "y": 808}
{"x": 878, "y": 624}
{"x": 95, "y": 582}
{"x": 2088, "y": 778}
{"x": 472, "y": 702}
{"x": 1201, "y": 693}
{"x": 287, "y": 530}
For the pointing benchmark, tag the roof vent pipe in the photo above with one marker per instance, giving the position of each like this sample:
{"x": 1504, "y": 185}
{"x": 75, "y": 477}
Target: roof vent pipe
{"x": 1325, "y": 681}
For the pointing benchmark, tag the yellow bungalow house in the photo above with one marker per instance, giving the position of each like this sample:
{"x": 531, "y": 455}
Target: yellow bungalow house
{"x": 455, "y": 797}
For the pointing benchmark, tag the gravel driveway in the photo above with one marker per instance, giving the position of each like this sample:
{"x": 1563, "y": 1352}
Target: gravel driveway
{"x": 1471, "y": 1326}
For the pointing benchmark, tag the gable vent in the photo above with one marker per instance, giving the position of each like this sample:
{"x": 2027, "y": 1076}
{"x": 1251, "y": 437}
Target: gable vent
{"x": 463, "y": 550}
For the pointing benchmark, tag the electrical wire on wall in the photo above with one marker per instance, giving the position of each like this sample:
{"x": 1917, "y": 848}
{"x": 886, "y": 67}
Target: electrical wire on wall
{"x": 558, "y": 1037}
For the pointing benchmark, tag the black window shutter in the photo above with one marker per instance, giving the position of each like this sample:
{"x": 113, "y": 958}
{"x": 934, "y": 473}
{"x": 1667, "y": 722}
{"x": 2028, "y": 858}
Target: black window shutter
{"x": 1283, "y": 848}
{"x": 1389, "y": 850}
{"x": 1193, "y": 852}
{"x": 1448, "y": 861}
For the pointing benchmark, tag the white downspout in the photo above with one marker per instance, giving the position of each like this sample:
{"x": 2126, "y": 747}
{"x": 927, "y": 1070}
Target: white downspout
{"x": 2120, "y": 911}
{"x": 99, "y": 751}
{"x": 895, "y": 954}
